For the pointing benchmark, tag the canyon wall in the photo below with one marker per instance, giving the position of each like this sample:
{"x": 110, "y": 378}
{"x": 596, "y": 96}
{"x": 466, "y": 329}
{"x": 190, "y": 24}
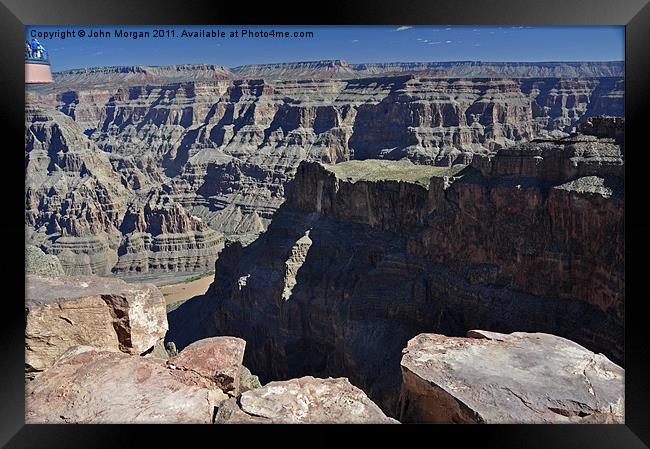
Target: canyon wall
{"x": 359, "y": 260}
{"x": 201, "y": 142}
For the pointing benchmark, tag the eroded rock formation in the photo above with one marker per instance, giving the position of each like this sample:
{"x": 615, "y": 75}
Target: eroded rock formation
{"x": 62, "y": 312}
{"x": 221, "y": 145}
{"x": 358, "y": 261}
{"x": 513, "y": 378}
{"x": 81, "y": 206}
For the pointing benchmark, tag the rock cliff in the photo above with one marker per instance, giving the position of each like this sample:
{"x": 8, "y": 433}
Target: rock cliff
{"x": 328, "y": 69}
{"x": 364, "y": 255}
{"x": 94, "y": 385}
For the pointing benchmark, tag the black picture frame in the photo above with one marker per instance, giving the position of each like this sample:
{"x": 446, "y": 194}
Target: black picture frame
{"x": 15, "y": 14}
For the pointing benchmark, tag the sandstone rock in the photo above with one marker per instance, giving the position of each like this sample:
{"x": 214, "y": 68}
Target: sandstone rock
{"x": 62, "y": 312}
{"x": 218, "y": 359}
{"x": 306, "y": 400}
{"x": 101, "y": 386}
{"x": 39, "y": 263}
{"x": 508, "y": 378}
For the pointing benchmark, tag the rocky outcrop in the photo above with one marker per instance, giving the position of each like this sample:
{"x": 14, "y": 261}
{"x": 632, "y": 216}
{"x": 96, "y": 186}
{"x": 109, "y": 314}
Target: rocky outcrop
{"x": 513, "y": 378}
{"x": 358, "y": 261}
{"x": 100, "y": 386}
{"x": 91, "y": 385}
{"x": 605, "y": 127}
{"x": 303, "y": 401}
{"x": 62, "y": 312}
{"x": 39, "y": 263}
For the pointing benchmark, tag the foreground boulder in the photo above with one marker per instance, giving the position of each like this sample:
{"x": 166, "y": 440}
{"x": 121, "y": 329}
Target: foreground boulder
{"x": 508, "y": 378}
{"x": 218, "y": 359}
{"x": 62, "y": 312}
{"x": 305, "y": 400}
{"x": 93, "y": 385}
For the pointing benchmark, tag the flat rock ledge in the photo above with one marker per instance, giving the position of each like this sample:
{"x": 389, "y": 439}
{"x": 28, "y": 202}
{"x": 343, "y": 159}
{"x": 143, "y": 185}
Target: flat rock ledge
{"x": 306, "y": 400}
{"x": 62, "y": 312}
{"x": 94, "y": 385}
{"x": 490, "y": 377}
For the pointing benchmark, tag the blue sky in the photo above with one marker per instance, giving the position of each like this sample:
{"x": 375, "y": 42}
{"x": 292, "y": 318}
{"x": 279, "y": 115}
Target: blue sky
{"x": 352, "y": 43}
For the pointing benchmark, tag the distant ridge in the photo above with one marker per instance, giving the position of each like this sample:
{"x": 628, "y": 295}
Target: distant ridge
{"x": 454, "y": 69}
{"x": 325, "y": 69}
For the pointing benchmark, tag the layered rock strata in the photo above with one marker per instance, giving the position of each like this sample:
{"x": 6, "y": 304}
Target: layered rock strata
{"x": 62, "y": 312}
{"x": 164, "y": 236}
{"x": 338, "y": 68}
{"x": 515, "y": 378}
{"x": 357, "y": 261}
{"x": 73, "y": 198}
{"x": 224, "y": 148}
{"x": 82, "y": 206}
{"x": 329, "y": 69}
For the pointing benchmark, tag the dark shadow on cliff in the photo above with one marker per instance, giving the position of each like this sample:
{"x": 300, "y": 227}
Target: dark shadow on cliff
{"x": 357, "y": 298}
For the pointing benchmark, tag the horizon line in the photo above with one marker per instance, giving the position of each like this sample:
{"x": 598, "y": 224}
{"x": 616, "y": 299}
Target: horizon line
{"x": 350, "y": 63}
